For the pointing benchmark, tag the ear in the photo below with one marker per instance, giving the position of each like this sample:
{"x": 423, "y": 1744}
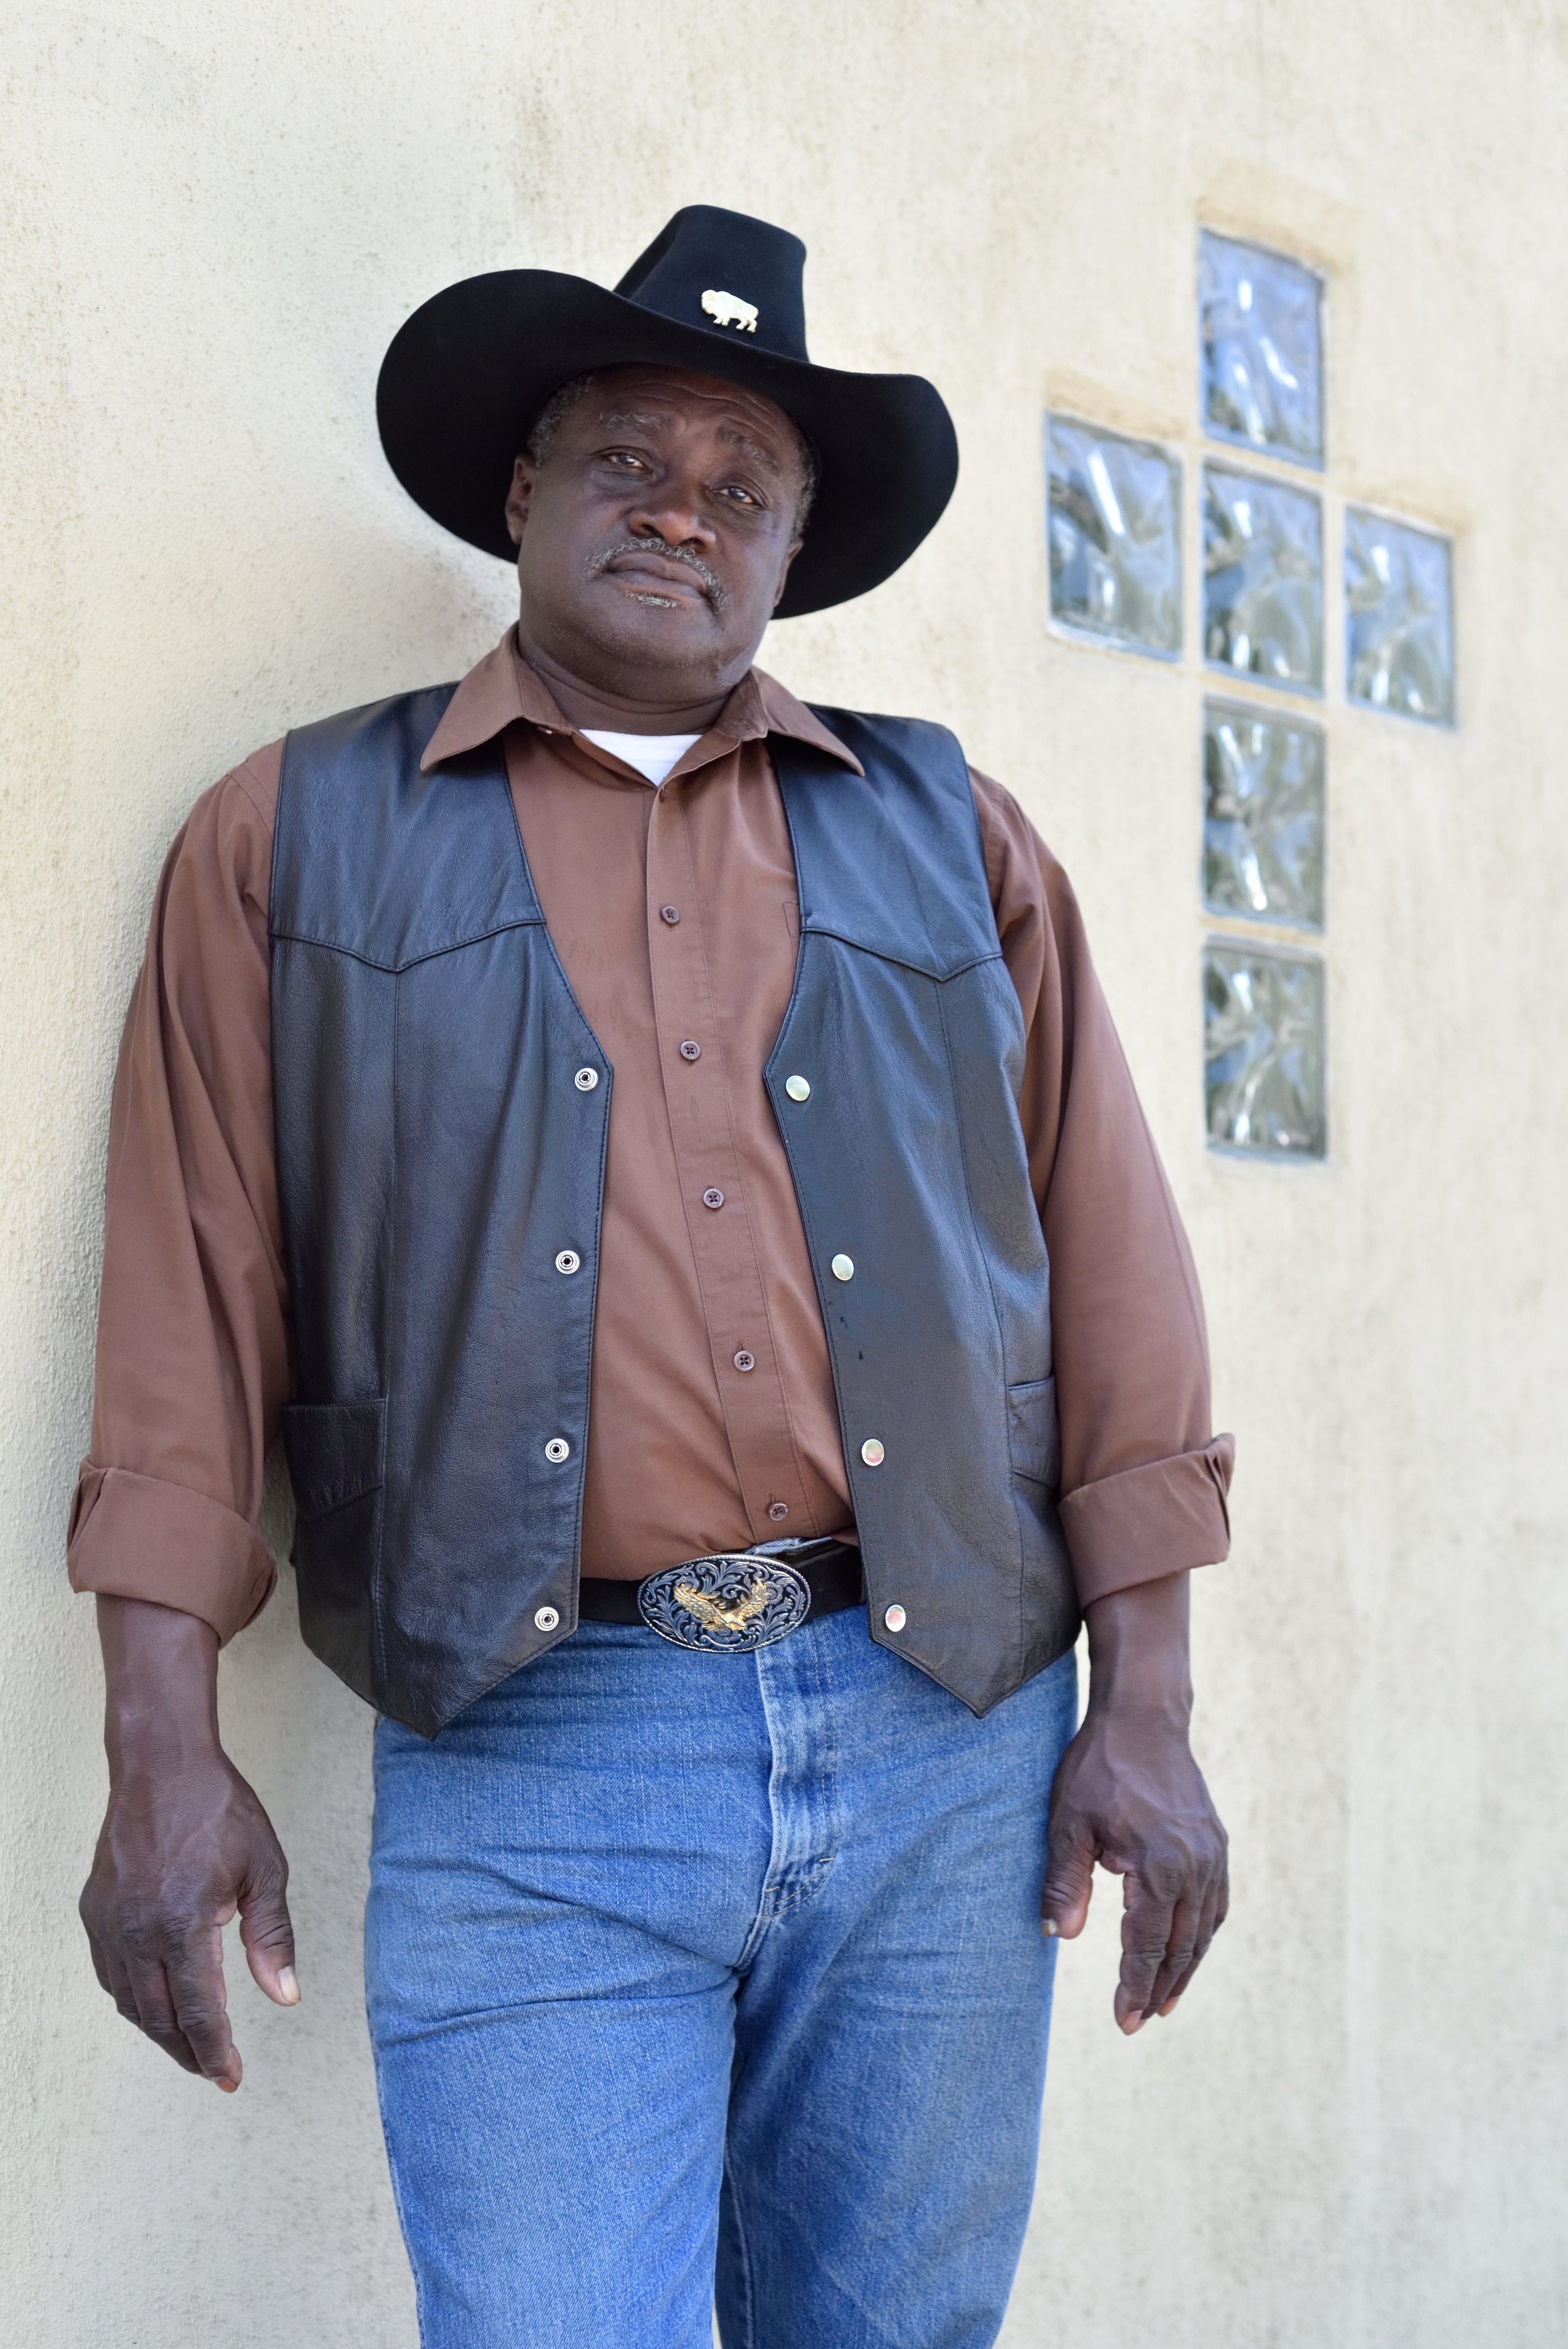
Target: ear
{"x": 784, "y": 574}
{"x": 524, "y": 474}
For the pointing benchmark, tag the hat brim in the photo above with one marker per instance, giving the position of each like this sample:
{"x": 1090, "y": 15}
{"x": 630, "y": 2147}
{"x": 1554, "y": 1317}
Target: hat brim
{"x": 466, "y": 376}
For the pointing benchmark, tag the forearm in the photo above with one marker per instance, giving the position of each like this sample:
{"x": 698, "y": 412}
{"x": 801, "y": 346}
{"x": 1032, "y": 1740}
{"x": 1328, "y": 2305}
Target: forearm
{"x": 161, "y": 1686}
{"x": 1138, "y": 1651}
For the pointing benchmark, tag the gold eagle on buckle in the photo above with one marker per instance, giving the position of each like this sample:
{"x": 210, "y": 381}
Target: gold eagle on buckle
{"x": 718, "y": 1617}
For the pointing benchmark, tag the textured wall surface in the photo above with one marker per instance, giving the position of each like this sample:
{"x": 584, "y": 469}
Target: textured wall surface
{"x": 211, "y": 223}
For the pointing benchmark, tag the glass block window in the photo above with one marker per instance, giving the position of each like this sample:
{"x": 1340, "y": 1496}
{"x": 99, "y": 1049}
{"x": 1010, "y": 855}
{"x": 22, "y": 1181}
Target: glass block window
{"x": 1115, "y": 529}
{"x": 1264, "y": 1051}
{"x": 1262, "y": 816}
{"x": 1398, "y": 618}
{"x": 1261, "y": 349}
{"x": 1262, "y": 579}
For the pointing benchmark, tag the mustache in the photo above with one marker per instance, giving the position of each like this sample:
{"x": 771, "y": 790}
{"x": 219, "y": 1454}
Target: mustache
{"x": 713, "y": 586}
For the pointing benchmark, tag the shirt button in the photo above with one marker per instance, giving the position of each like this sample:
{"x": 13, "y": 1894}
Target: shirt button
{"x": 871, "y": 1452}
{"x": 713, "y": 1198}
{"x": 690, "y": 1051}
{"x": 558, "y": 1450}
{"x": 744, "y": 1361}
{"x": 895, "y": 1617}
{"x": 843, "y": 1267}
{"x": 798, "y": 1088}
{"x": 569, "y": 1261}
{"x": 545, "y": 1618}
{"x": 670, "y": 914}
{"x": 777, "y": 1511}
{"x": 585, "y": 1080}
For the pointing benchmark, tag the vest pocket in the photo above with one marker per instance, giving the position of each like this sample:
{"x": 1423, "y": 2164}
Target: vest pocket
{"x": 1032, "y": 1434}
{"x": 334, "y": 1452}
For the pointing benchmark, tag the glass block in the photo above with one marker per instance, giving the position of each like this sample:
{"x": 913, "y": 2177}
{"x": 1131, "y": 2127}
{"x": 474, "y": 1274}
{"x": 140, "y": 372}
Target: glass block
{"x": 1263, "y": 817}
{"x": 1114, "y": 522}
{"x": 1262, "y": 1051}
{"x": 1262, "y": 579}
{"x": 1261, "y": 346}
{"x": 1398, "y": 618}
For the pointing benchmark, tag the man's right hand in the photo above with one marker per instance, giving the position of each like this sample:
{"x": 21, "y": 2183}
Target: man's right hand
{"x": 185, "y": 1844}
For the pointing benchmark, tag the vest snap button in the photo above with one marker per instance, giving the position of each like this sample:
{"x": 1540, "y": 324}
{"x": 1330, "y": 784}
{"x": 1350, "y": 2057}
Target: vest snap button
{"x": 895, "y": 1617}
{"x": 872, "y": 1452}
{"x": 558, "y": 1450}
{"x": 585, "y": 1080}
{"x": 545, "y": 1618}
{"x": 798, "y": 1088}
{"x": 569, "y": 1261}
{"x": 843, "y": 1267}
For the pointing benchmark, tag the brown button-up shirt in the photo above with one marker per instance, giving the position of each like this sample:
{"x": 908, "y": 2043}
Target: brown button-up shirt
{"x": 713, "y": 1422}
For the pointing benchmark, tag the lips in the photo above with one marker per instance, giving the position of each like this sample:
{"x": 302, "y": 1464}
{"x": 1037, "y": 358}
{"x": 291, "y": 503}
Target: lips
{"x": 659, "y": 572}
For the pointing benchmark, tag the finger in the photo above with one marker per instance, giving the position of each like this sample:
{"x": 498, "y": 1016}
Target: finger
{"x": 1150, "y": 1906}
{"x": 1209, "y": 1924}
{"x": 100, "y": 1967}
{"x": 148, "y": 1986}
{"x": 117, "y": 1981}
{"x": 1186, "y": 1923}
{"x": 1069, "y": 1877}
{"x": 267, "y": 1932}
{"x": 200, "y": 2005}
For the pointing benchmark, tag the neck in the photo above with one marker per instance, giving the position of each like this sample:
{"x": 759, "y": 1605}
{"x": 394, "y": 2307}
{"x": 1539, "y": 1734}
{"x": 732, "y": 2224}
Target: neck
{"x": 657, "y": 706}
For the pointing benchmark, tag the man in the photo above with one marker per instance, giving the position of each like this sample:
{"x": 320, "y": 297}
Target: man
{"x": 655, "y": 1131}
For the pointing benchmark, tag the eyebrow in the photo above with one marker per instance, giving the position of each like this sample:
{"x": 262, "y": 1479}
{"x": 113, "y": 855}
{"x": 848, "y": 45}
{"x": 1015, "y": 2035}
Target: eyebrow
{"x": 648, "y": 420}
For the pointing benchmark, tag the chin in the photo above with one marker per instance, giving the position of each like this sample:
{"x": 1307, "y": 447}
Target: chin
{"x": 681, "y": 637}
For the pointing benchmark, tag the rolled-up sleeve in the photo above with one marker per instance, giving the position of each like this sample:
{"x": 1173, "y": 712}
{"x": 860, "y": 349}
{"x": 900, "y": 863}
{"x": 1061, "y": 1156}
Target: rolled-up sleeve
{"x": 192, "y": 1364}
{"x": 1143, "y": 1478}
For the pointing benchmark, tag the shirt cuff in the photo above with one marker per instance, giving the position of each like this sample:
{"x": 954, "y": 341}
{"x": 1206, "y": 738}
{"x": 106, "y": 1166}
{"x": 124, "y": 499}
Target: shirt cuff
{"x": 1146, "y": 1522}
{"x": 139, "y": 1537}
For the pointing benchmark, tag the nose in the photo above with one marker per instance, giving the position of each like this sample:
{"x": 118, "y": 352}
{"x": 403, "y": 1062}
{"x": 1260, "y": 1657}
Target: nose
{"x": 673, "y": 512}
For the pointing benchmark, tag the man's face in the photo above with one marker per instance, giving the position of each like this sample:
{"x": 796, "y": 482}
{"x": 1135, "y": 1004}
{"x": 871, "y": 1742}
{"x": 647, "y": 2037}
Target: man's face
{"x": 654, "y": 536}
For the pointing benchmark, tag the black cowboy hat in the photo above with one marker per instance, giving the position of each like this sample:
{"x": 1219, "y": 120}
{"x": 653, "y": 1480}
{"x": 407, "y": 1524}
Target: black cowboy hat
{"x": 466, "y": 375}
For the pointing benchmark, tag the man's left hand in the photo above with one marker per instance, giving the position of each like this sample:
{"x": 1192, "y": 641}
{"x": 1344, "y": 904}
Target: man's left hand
{"x": 1130, "y": 1796}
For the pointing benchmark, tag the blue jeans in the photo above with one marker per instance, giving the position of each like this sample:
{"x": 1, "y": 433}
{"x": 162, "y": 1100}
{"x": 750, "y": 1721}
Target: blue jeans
{"x": 692, "y": 1975}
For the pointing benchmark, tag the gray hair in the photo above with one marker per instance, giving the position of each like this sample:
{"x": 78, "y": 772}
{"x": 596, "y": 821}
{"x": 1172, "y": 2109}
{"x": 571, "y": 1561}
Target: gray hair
{"x": 560, "y": 403}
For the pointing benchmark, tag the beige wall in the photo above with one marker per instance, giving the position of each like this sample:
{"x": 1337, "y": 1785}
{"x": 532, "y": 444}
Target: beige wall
{"x": 212, "y": 220}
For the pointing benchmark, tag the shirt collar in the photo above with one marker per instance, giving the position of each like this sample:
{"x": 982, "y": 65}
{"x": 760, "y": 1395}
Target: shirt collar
{"x": 501, "y": 689}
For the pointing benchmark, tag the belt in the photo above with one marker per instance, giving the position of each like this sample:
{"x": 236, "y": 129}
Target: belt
{"x": 734, "y": 1600}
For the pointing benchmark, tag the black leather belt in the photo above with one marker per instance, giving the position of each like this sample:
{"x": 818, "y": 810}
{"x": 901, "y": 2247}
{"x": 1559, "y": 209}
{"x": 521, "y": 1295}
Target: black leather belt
{"x": 734, "y": 1600}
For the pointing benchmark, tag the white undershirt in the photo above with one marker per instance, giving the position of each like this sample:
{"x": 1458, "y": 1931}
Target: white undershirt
{"x": 652, "y": 754}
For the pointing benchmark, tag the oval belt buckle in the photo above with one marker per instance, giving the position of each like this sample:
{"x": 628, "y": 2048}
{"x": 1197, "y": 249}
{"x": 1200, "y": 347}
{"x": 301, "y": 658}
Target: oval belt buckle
{"x": 725, "y": 1605}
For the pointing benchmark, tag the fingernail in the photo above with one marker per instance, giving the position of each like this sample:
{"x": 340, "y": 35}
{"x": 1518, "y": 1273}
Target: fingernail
{"x": 1049, "y": 1927}
{"x": 1133, "y": 2024}
{"x": 288, "y": 1986}
{"x": 228, "y": 2086}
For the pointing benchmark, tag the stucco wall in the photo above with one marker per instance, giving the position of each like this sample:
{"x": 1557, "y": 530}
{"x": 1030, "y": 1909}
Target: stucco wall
{"x": 211, "y": 221}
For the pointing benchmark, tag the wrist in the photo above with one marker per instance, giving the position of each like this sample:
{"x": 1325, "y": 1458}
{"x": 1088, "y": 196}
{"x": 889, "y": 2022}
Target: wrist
{"x": 148, "y": 1742}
